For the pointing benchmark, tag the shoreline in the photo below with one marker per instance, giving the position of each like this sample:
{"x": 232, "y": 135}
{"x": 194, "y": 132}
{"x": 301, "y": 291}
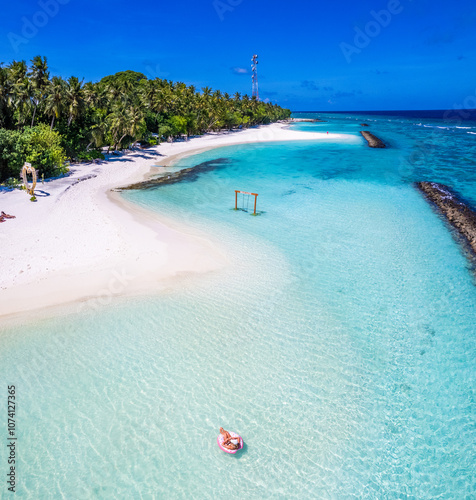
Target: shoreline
{"x": 82, "y": 241}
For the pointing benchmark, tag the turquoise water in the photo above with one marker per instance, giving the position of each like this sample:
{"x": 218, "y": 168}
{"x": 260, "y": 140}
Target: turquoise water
{"x": 434, "y": 150}
{"x": 339, "y": 341}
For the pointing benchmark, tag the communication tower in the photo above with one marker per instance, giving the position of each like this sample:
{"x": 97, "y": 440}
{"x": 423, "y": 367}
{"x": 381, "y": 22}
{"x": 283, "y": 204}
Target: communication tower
{"x": 254, "y": 76}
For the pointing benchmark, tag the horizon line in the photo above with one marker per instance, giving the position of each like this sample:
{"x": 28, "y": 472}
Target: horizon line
{"x": 384, "y": 110}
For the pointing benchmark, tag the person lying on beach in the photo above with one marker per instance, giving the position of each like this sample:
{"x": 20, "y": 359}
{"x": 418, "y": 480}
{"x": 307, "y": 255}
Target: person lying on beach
{"x": 6, "y": 216}
{"x": 230, "y": 442}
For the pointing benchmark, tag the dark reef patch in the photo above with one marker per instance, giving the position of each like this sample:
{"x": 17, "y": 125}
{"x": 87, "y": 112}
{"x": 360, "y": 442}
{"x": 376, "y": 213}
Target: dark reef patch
{"x": 190, "y": 174}
{"x": 459, "y": 214}
{"x": 372, "y": 140}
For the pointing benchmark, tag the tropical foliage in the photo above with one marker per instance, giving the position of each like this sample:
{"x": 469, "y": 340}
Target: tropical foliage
{"x": 38, "y": 145}
{"x": 49, "y": 120}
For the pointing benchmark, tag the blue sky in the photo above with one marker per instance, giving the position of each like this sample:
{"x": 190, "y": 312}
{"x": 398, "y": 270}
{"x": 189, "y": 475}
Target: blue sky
{"x": 314, "y": 55}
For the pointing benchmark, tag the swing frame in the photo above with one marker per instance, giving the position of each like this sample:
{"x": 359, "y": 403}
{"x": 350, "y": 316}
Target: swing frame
{"x": 245, "y": 192}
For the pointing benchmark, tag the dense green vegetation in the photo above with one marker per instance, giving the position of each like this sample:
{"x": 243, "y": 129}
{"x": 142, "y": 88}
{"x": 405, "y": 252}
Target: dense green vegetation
{"x": 49, "y": 120}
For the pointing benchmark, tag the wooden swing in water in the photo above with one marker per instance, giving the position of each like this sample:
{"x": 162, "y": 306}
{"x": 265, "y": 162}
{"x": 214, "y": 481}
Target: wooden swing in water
{"x": 245, "y": 193}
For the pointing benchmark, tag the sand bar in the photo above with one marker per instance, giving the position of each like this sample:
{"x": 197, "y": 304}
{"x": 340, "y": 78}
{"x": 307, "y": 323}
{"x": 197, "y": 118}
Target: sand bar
{"x": 81, "y": 243}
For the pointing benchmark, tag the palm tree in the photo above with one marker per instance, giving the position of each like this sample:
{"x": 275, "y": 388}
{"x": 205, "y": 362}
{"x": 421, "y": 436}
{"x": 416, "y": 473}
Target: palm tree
{"x": 55, "y": 100}
{"x": 135, "y": 124}
{"x": 39, "y": 78}
{"x": 20, "y": 89}
{"x": 21, "y": 98}
{"x": 90, "y": 94}
{"x": 17, "y": 71}
{"x": 98, "y": 129}
{"x": 74, "y": 99}
{"x": 112, "y": 92}
{"x": 153, "y": 96}
{"x": 120, "y": 92}
{"x": 156, "y": 97}
{"x": 5, "y": 89}
{"x": 117, "y": 125}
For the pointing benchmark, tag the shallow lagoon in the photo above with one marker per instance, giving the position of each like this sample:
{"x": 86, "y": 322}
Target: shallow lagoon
{"x": 339, "y": 342}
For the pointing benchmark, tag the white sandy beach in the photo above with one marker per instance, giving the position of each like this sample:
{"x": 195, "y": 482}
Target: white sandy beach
{"x": 80, "y": 243}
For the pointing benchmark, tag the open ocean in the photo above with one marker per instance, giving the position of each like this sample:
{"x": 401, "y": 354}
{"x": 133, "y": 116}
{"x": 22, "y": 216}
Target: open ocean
{"x": 448, "y": 115}
{"x": 339, "y": 342}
